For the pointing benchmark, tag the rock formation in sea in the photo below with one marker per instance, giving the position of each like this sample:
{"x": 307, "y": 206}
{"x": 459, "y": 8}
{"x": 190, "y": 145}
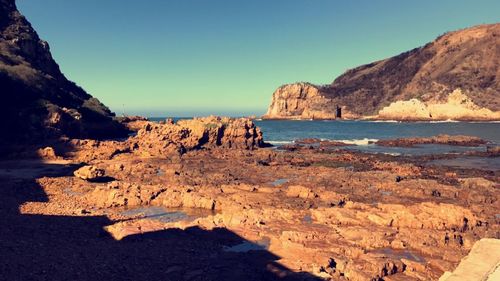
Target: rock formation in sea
{"x": 456, "y": 76}
{"x": 38, "y": 101}
{"x": 163, "y": 139}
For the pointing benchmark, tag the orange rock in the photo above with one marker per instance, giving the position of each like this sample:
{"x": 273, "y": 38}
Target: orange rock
{"x": 89, "y": 173}
{"x": 300, "y": 192}
{"x": 47, "y": 153}
{"x": 156, "y": 139}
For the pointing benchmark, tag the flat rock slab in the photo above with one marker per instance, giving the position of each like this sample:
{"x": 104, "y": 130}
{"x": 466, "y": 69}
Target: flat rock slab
{"x": 482, "y": 263}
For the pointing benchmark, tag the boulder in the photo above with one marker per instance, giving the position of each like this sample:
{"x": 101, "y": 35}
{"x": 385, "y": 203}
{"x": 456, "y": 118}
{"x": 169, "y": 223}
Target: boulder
{"x": 300, "y": 192}
{"x": 47, "y": 153}
{"x": 89, "y": 173}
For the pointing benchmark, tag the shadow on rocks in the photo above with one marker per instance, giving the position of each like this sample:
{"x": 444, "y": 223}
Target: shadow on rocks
{"x": 43, "y": 247}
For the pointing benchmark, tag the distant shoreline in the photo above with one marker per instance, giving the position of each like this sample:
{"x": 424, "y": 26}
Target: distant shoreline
{"x": 341, "y": 120}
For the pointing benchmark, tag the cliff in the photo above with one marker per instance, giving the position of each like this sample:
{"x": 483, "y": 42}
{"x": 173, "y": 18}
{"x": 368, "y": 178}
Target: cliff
{"x": 456, "y": 76}
{"x": 38, "y": 102}
{"x": 300, "y": 100}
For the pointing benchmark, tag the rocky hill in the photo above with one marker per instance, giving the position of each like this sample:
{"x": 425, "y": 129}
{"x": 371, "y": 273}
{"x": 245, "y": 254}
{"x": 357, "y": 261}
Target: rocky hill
{"x": 37, "y": 100}
{"x": 457, "y": 76}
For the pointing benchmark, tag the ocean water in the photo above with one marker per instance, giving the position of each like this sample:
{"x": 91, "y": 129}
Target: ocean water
{"x": 361, "y": 133}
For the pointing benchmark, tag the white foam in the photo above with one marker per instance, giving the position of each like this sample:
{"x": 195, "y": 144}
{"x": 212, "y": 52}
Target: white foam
{"x": 443, "y": 121}
{"x": 365, "y": 141}
{"x": 385, "y": 121}
{"x": 392, "y": 153}
{"x": 279, "y": 142}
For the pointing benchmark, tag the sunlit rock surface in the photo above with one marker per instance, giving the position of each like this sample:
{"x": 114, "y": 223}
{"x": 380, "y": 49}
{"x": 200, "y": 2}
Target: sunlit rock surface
{"x": 454, "y": 77}
{"x": 323, "y": 210}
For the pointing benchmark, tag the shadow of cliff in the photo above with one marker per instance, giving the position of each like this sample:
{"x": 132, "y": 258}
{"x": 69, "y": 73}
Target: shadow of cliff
{"x": 43, "y": 247}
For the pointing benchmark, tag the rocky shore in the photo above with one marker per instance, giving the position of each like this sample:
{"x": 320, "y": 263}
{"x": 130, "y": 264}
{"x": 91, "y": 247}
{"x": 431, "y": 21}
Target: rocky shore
{"x": 231, "y": 209}
{"x": 86, "y": 195}
{"x": 457, "y": 140}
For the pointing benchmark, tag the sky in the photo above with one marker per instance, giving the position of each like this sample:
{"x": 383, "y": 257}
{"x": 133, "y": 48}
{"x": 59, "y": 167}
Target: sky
{"x": 226, "y": 57}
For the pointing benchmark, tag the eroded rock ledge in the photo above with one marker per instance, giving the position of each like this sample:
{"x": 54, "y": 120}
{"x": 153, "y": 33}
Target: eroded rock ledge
{"x": 482, "y": 263}
{"x": 336, "y": 214}
{"x": 458, "y": 140}
{"x": 458, "y": 106}
{"x": 165, "y": 138}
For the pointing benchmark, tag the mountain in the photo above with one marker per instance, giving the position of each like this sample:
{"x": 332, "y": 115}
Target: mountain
{"x": 37, "y": 101}
{"x": 457, "y": 76}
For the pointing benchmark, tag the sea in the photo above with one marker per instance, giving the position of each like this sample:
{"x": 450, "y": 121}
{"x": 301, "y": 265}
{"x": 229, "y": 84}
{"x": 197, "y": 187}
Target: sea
{"x": 362, "y": 134}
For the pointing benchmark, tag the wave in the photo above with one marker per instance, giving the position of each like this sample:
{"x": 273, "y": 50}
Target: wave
{"x": 460, "y": 121}
{"x": 384, "y": 121}
{"x": 278, "y": 142}
{"x": 392, "y": 153}
{"x": 483, "y": 122}
{"x": 429, "y": 121}
{"x": 443, "y": 121}
{"x": 365, "y": 141}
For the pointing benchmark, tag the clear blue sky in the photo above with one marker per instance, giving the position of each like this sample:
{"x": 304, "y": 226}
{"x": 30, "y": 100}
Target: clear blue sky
{"x": 186, "y": 57}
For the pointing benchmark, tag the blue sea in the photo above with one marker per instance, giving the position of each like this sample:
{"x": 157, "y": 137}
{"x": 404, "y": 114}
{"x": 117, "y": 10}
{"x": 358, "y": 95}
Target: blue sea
{"x": 361, "y": 133}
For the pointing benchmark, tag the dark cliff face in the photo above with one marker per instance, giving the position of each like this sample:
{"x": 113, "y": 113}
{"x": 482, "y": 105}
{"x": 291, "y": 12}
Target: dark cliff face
{"x": 37, "y": 100}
